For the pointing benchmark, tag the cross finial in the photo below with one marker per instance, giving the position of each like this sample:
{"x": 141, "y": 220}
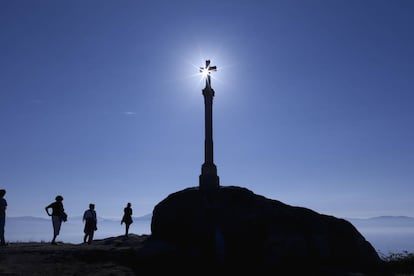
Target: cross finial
{"x": 206, "y": 72}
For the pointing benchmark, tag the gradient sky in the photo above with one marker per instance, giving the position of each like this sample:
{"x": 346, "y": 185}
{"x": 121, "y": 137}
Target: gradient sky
{"x": 100, "y": 101}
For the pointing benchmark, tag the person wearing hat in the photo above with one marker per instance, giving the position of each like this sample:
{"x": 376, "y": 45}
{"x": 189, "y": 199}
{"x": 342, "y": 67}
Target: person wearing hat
{"x": 57, "y": 210}
{"x": 3, "y": 206}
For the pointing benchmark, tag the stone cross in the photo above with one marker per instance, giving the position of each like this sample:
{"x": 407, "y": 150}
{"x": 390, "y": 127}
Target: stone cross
{"x": 209, "y": 181}
{"x": 206, "y": 71}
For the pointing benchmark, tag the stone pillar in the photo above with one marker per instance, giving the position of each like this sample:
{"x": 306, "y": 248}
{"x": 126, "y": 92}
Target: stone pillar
{"x": 209, "y": 181}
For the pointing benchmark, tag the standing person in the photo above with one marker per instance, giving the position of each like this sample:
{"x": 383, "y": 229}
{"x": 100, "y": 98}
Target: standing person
{"x": 3, "y": 206}
{"x": 57, "y": 211}
{"x": 89, "y": 217}
{"x": 127, "y": 218}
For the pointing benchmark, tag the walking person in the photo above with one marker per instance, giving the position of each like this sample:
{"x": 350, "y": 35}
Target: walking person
{"x": 3, "y": 206}
{"x": 127, "y": 218}
{"x": 89, "y": 217}
{"x": 57, "y": 215}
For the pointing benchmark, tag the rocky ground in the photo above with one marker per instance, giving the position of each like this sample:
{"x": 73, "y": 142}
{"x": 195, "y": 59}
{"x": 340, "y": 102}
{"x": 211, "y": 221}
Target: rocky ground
{"x": 103, "y": 257}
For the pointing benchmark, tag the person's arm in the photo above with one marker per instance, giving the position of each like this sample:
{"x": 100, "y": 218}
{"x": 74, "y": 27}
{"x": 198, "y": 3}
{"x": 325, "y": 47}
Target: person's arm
{"x": 47, "y": 209}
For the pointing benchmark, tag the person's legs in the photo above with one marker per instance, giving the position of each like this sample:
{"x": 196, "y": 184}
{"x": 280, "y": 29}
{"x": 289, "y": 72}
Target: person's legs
{"x": 126, "y": 229}
{"x": 2, "y": 224}
{"x": 54, "y": 233}
{"x": 90, "y": 237}
{"x": 56, "y": 227}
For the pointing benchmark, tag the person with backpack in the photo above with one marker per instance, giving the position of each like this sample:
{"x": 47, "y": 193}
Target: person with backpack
{"x": 57, "y": 211}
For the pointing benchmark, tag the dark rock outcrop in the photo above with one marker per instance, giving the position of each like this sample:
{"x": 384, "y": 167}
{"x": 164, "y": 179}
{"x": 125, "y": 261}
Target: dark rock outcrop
{"x": 235, "y": 228}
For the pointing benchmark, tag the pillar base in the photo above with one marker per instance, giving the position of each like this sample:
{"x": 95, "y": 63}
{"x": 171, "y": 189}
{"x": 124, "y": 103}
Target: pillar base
{"x": 209, "y": 182}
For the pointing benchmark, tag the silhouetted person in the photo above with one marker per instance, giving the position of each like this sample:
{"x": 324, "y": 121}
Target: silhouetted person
{"x": 57, "y": 211}
{"x": 127, "y": 218}
{"x": 89, "y": 217}
{"x": 3, "y": 206}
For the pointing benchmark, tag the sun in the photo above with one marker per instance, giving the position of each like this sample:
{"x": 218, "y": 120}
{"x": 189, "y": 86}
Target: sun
{"x": 204, "y": 72}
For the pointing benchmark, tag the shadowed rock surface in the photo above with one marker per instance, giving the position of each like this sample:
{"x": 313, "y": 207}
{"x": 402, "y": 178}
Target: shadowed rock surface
{"x": 235, "y": 228}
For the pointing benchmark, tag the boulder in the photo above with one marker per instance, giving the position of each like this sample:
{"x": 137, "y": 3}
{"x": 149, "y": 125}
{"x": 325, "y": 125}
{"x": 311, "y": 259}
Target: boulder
{"x": 232, "y": 227}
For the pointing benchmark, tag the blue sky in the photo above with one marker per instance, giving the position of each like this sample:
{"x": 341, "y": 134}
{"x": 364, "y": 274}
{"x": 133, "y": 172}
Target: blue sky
{"x": 100, "y": 101}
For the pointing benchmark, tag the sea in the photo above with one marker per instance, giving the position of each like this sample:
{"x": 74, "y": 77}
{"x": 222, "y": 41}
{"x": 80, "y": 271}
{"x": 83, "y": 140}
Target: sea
{"x": 387, "y": 234}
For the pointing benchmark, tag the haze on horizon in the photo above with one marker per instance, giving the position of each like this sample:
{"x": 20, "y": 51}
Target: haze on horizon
{"x": 100, "y": 101}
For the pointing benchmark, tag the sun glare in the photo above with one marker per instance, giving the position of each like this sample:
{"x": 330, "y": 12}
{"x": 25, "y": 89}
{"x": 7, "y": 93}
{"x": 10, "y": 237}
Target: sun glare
{"x": 204, "y": 72}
